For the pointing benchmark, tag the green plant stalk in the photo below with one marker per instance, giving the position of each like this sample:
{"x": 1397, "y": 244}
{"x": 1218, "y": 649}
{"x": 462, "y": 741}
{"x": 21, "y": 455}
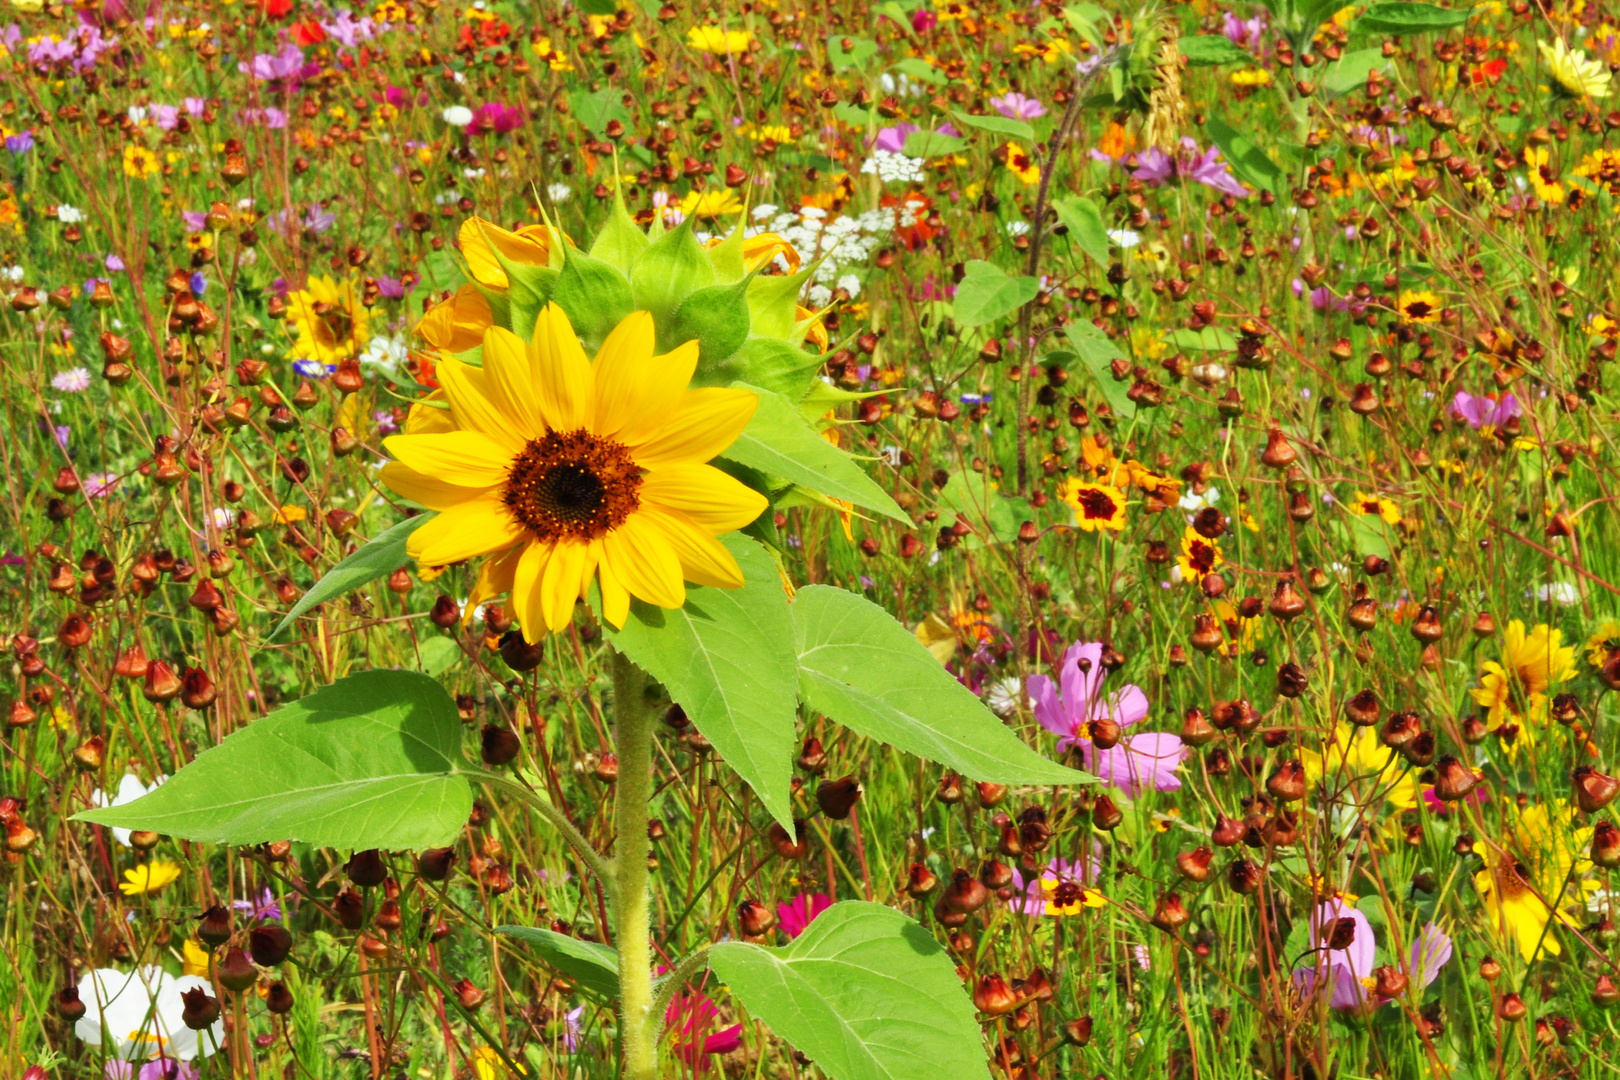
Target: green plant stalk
{"x": 632, "y": 737}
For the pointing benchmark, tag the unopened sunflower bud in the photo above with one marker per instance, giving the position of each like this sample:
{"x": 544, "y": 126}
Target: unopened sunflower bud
{"x": 786, "y": 846}
{"x": 499, "y": 745}
{"x": 813, "y": 758}
{"x": 1452, "y": 779}
{"x": 435, "y": 864}
{"x": 366, "y": 868}
{"x": 1593, "y": 790}
{"x": 755, "y": 919}
{"x": 1171, "y": 914}
{"x": 965, "y": 894}
{"x": 236, "y": 971}
{"x": 199, "y": 1010}
{"x": 215, "y": 926}
{"x": 270, "y": 944}
{"x": 838, "y": 797}
{"x": 68, "y": 1005}
{"x": 993, "y": 997}
{"x": 278, "y": 1000}
{"x": 920, "y": 881}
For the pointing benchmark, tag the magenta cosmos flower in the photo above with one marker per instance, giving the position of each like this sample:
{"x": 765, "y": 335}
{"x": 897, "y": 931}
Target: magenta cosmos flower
{"x": 1484, "y": 411}
{"x": 1136, "y": 762}
{"x": 797, "y": 914}
{"x": 1346, "y": 974}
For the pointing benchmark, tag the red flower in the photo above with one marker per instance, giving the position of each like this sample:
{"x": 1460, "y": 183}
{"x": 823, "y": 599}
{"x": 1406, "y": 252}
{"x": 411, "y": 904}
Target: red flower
{"x": 1489, "y": 72}
{"x": 275, "y": 9}
{"x": 308, "y": 32}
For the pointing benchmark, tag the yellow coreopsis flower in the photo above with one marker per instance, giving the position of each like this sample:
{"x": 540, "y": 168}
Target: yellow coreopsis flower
{"x": 1422, "y": 306}
{"x": 1371, "y": 505}
{"x": 1604, "y": 643}
{"x": 1068, "y": 897}
{"x": 1199, "y": 556}
{"x": 140, "y": 162}
{"x": 1021, "y": 165}
{"x": 1516, "y": 687}
{"x": 568, "y": 471}
{"x": 1574, "y": 73}
{"x": 1096, "y": 506}
{"x": 331, "y": 321}
{"x": 1543, "y": 177}
{"x": 712, "y": 39}
{"x": 1526, "y": 876}
{"x": 148, "y": 877}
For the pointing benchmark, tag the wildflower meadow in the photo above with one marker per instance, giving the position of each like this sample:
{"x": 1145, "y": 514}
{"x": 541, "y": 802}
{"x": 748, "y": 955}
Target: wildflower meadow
{"x": 775, "y": 540}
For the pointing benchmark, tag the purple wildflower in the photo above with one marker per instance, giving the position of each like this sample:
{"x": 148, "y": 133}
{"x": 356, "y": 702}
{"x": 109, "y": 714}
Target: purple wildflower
{"x": 1485, "y": 411}
{"x": 1015, "y": 106}
{"x": 1154, "y": 167}
{"x": 1136, "y": 762}
{"x": 1347, "y": 974}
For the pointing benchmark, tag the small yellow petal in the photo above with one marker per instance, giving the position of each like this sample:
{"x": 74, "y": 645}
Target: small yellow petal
{"x": 476, "y": 527}
{"x": 704, "y": 494}
{"x": 704, "y": 560}
{"x": 466, "y": 458}
{"x": 562, "y": 375}
{"x": 703, "y": 424}
{"x": 429, "y": 419}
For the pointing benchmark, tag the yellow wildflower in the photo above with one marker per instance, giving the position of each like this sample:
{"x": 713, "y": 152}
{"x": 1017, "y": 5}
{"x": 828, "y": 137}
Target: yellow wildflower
{"x": 148, "y": 877}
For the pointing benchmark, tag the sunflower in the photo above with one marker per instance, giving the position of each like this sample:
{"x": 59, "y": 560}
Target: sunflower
{"x": 1419, "y": 306}
{"x": 1096, "y": 506}
{"x": 332, "y": 322}
{"x": 568, "y": 471}
{"x": 1574, "y": 73}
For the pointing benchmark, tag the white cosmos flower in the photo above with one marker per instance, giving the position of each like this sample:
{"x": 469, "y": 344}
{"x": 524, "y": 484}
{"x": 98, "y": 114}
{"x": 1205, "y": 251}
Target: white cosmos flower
{"x": 457, "y": 115}
{"x": 130, "y": 788}
{"x": 138, "y": 1014}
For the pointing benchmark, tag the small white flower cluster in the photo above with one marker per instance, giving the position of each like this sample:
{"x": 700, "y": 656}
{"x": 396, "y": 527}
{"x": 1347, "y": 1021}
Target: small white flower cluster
{"x": 559, "y": 192}
{"x": 69, "y": 215}
{"x": 894, "y": 168}
{"x": 385, "y": 355}
{"x": 843, "y": 243}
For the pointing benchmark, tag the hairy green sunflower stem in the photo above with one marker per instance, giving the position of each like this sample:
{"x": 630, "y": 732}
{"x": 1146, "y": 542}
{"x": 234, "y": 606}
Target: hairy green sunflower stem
{"x": 632, "y": 737}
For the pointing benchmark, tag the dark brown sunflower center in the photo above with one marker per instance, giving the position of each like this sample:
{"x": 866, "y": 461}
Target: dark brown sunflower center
{"x": 1096, "y": 505}
{"x": 573, "y": 484}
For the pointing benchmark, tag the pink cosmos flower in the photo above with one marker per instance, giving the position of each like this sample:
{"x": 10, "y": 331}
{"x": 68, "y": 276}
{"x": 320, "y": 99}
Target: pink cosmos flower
{"x": 497, "y": 118}
{"x": 1485, "y": 411}
{"x": 1136, "y": 762}
{"x": 1155, "y": 167}
{"x": 1347, "y": 974}
{"x": 1016, "y": 106}
{"x": 795, "y": 915}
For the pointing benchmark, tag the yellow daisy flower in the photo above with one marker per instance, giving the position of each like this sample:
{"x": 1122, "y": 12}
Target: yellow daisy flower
{"x": 1604, "y": 643}
{"x": 1543, "y": 177}
{"x": 139, "y": 162}
{"x": 570, "y": 471}
{"x": 1420, "y": 307}
{"x": 148, "y": 877}
{"x": 1528, "y": 871}
{"x": 711, "y": 204}
{"x": 1531, "y": 664}
{"x": 330, "y": 320}
{"x": 1021, "y": 165}
{"x": 1573, "y": 72}
{"x": 1375, "y": 505}
{"x": 712, "y": 39}
{"x": 1096, "y": 506}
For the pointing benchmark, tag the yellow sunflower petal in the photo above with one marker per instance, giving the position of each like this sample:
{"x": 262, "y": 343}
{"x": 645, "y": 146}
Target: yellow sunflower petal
{"x": 509, "y": 381}
{"x": 703, "y": 494}
{"x": 480, "y": 240}
{"x": 526, "y": 595}
{"x": 643, "y": 559}
{"x": 636, "y": 390}
{"x": 467, "y": 458}
{"x": 473, "y": 407}
{"x": 475, "y": 527}
{"x": 428, "y": 491}
{"x": 494, "y": 578}
{"x": 561, "y": 584}
{"x": 704, "y": 423}
{"x": 704, "y": 560}
{"x": 562, "y": 374}
{"x": 457, "y": 324}
{"x": 615, "y": 597}
{"x": 429, "y": 419}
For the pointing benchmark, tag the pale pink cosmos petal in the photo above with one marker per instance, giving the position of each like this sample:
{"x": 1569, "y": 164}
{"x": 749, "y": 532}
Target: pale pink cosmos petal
{"x": 1138, "y": 762}
{"x": 1080, "y": 686}
{"x": 1127, "y": 706}
{"x": 1048, "y": 710}
{"x": 1430, "y": 952}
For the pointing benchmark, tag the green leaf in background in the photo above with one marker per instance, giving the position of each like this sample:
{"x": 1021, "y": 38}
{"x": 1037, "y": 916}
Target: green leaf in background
{"x": 865, "y": 993}
{"x": 594, "y": 966}
{"x": 371, "y": 761}
{"x": 1408, "y": 17}
{"x": 1368, "y": 535}
{"x": 1086, "y": 229}
{"x": 1248, "y": 161}
{"x": 437, "y": 655}
{"x": 920, "y": 69}
{"x": 728, "y": 659}
{"x": 863, "y": 669}
{"x": 997, "y": 125}
{"x": 595, "y": 110}
{"x": 1212, "y": 50}
{"x": 859, "y": 52}
{"x": 1209, "y": 339}
{"x": 1097, "y": 353}
{"x": 924, "y": 144}
{"x": 988, "y": 293}
{"x": 1349, "y": 74}
{"x": 779, "y": 442}
{"x": 380, "y": 556}
{"x": 853, "y": 115}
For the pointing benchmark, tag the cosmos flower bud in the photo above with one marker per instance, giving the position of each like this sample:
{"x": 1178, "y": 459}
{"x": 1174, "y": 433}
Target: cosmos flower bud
{"x": 838, "y": 797}
{"x": 1196, "y": 730}
{"x": 388, "y": 917}
{"x": 1228, "y": 832}
{"x": 990, "y": 794}
{"x": 434, "y": 864}
{"x": 90, "y": 753}
{"x": 1490, "y": 969}
{"x": 1105, "y": 733}
{"x": 236, "y": 971}
{"x": 1286, "y": 603}
{"x": 269, "y": 944}
{"x": 965, "y": 894}
{"x": 1010, "y": 844}
{"x": 68, "y": 1005}
{"x": 1606, "y": 845}
{"x": 74, "y": 632}
{"x": 1426, "y": 627}
{"x": 1400, "y": 729}
{"x": 1171, "y": 914}
{"x": 1511, "y": 1008}
{"x": 920, "y": 881}
{"x": 995, "y": 874}
{"x": 946, "y": 917}
{"x": 1244, "y": 877}
{"x": 1206, "y": 635}
{"x": 1106, "y": 814}
{"x": 1279, "y": 453}
{"x": 1362, "y": 710}
{"x": 468, "y": 995}
{"x": 786, "y": 846}
{"x": 197, "y": 690}
{"x": 993, "y": 997}
{"x": 499, "y": 745}
{"x": 1605, "y": 995}
{"x": 278, "y": 1000}
{"x": 214, "y": 927}
{"x": 1078, "y": 1032}
{"x": 1194, "y": 865}
{"x": 444, "y": 614}
{"x": 1339, "y": 934}
{"x": 1593, "y": 790}
{"x": 1420, "y": 751}
{"x": 162, "y": 684}
{"x": 755, "y": 919}
{"x": 199, "y": 1011}
{"x": 1452, "y": 779}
